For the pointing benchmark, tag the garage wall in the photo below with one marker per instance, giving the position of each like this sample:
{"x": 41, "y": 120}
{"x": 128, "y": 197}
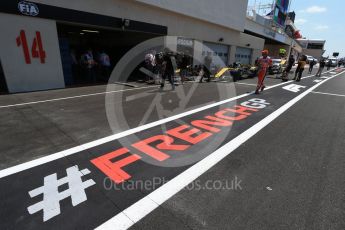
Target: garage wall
{"x": 248, "y": 41}
{"x": 245, "y": 40}
{"x": 21, "y": 76}
{"x": 274, "y": 49}
{"x": 219, "y": 53}
{"x": 243, "y": 55}
{"x": 163, "y": 13}
{"x": 178, "y": 25}
{"x": 317, "y": 53}
{"x": 228, "y": 13}
{"x": 265, "y": 31}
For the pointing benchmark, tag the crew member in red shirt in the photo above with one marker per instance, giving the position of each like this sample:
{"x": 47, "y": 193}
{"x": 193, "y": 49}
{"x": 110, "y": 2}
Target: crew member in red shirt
{"x": 263, "y": 63}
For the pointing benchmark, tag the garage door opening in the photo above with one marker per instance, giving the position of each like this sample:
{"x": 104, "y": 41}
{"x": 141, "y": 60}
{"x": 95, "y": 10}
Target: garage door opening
{"x": 220, "y": 50}
{"x": 243, "y": 55}
{"x": 89, "y": 54}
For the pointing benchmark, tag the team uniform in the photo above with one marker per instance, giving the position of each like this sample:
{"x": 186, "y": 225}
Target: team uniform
{"x": 264, "y": 63}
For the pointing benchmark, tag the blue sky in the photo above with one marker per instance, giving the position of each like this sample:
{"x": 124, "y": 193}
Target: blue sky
{"x": 322, "y": 19}
{"x": 319, "y": 19}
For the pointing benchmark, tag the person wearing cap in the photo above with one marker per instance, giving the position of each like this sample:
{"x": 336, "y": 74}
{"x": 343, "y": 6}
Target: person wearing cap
{"x": 263, "y": 63}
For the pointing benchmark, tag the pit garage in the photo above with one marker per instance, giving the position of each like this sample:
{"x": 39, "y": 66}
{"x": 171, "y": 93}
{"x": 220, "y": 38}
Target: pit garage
{"x": 243, "y": 55}
{"x": 45, "y": 47}
{"x": 220, "y": 50}
{"x": 76, "y": 41}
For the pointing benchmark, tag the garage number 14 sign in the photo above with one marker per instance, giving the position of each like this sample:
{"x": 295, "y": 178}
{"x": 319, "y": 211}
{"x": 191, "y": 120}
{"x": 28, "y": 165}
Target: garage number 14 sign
{"x": 36, "y": 51}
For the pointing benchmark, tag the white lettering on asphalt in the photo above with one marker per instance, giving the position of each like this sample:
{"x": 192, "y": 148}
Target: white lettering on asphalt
{"x": 294, "y": 88}
{"x": 317, "y": 81}
{"x": 255, "y": 103}
{"x": 52, "y": 197}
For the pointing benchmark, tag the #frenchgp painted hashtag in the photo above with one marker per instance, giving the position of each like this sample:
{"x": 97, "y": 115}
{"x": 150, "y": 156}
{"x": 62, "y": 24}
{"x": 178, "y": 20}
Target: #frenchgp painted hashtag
{"x": 111, "y": 164}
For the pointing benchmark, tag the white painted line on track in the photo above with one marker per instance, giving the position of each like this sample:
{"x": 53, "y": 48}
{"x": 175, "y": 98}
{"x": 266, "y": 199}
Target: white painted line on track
{"x": 140, "y": 209}
{"x": 330, "y": 94}
{"x": 241, "y": 83}
{"x": 87, "y": 95}
{"x": 72, "y": 97}
{"x": 71, "y": 151}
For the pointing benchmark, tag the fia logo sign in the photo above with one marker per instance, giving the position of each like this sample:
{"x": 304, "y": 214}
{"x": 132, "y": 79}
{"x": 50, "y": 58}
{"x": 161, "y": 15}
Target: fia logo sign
{"x": 28, "y": 8}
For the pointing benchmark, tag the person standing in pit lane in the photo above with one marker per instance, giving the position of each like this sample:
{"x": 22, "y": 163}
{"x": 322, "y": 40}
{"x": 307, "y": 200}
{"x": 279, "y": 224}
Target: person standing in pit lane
{"x": 340, "y": 62}
{"x": 329, "y": 64}
{"x": 169, "y": 68}
{"x": 159, "y": 70}
{"x": 300, "y": 68}
{"x": 321, "y": 67}
{"x": 263, "y": 63}
{"x": 291, "y": 62}
{"x": 150, "y": 65}
{"x": 311, "y": 66}
{"x": 184, "y": 67}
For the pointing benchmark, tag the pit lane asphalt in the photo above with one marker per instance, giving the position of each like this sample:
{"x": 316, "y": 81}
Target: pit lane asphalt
{"x": 31, "y": 131}
{"x": 292, "y": 174}
{"x": 64, "y": 164}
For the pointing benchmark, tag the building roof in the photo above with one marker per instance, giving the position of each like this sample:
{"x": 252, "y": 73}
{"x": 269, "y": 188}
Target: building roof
{"x": 311, "y": 40}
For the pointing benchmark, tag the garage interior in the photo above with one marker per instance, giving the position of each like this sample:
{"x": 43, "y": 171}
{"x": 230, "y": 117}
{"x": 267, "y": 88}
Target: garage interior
{"x": 75, "y": 40}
